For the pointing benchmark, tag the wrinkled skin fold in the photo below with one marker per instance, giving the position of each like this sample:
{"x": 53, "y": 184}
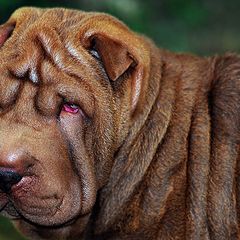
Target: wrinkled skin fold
{"x": 112, "y": 137}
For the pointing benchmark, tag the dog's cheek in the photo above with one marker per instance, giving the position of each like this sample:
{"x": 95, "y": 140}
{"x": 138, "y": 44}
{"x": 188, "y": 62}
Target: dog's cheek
{"x": 73, "y": 128}
{"x": 70, "y": 123}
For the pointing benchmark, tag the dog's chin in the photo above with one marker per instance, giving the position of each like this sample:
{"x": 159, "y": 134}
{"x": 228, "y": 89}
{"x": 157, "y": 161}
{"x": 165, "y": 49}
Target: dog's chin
{"x": 69, "y": 229}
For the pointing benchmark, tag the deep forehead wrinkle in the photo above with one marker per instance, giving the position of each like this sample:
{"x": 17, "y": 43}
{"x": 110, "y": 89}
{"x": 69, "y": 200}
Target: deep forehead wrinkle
{"x": 41, "y": 49}
{"x": 40, "y": 45}
{"x": 39, "y": 41}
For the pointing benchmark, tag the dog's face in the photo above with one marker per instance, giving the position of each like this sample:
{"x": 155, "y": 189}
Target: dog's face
{"x": 70, "y": 84}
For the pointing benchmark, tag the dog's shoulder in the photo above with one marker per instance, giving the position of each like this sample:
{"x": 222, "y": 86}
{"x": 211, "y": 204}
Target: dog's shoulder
{"x": 224, "y": 97}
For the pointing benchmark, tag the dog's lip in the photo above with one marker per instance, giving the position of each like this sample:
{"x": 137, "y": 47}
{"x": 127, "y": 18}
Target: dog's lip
{"x": 3, "y": 201}
{"x": 32, "y": 213}
{"x": 27, "y": 180}
{"x": 50, "y": 210}
{"x": 37, "y": 207}
{"x": 30, "y": 217}
{"x": 10, "y": 211}
{"x": 28, "y": 204}
{"x": 3, "y": 205}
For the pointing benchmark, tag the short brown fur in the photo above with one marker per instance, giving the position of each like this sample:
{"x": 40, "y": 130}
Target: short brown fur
{"x": 156, "y": 155}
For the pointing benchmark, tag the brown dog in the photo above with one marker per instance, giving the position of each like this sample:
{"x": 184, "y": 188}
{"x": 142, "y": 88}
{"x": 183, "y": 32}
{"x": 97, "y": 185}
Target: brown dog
{"x": 105, "y": 136}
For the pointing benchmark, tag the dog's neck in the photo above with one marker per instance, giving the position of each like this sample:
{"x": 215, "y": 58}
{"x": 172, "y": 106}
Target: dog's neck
{"x": 142, "y": 156}
{"x": 127, "y": 159}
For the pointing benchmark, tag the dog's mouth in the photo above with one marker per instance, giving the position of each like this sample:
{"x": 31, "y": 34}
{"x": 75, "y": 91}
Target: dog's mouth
{"x": 38, "y": 211}
{"x": 42, "y": 203}
{"x": 9, "y": 211}
{"x": 15, "y": 210}
{"x": 30, "y": 212}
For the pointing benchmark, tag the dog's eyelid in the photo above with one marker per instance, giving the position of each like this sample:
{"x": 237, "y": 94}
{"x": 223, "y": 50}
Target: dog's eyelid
{"x": 70, "y": 108}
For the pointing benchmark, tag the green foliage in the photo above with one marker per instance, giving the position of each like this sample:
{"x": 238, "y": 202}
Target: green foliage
{"x": 7, "y": 232}
{"x": 203, "y": 27}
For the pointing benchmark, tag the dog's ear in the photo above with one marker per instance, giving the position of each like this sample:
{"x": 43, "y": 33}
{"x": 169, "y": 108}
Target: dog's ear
{"x": 115, "y": 57}
{"x": 120, "y": 50}
{"x": 5, "y": 32}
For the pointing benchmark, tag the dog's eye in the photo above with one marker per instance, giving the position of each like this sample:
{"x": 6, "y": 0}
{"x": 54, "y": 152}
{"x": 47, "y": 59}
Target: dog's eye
{"x": 70, "y": 108}
{"x": 95, "y": 54}
{"x": 93, "y": 51}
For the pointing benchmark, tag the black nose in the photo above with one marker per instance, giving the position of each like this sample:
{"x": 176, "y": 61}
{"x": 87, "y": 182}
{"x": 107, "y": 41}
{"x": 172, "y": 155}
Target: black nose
{"x": 8, "y": 179}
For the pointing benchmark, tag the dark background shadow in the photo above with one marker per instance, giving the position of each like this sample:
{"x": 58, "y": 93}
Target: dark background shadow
{"x": 203, "y": 27}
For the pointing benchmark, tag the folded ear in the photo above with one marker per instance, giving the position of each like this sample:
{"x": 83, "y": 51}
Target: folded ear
{"x": 119, "y": 49}
{"x": 115, "y": 57}
{"x": 5, "y": 32}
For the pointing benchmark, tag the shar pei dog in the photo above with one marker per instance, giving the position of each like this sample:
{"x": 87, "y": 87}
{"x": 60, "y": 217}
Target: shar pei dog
{"x": 105, "y": 136}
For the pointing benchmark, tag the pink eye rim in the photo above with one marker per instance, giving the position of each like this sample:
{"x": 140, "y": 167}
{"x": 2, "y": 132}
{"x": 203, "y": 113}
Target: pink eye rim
{"x": 70, "y": 108}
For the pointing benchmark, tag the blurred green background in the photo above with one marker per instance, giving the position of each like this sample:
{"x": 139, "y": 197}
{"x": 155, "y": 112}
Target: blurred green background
{"x": 202, "y": 27}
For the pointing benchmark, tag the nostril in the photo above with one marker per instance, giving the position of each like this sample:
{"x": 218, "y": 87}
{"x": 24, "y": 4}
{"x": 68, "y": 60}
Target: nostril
{"x": 8, "y": 179}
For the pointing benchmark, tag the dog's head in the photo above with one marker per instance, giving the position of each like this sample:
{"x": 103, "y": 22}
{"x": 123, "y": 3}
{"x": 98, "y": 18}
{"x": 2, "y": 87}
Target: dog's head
{"x": 70, "y": 86}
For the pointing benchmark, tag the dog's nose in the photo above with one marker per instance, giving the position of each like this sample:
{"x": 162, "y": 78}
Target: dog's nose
{"x": 8, "y": 179}
{"x": 15, "y": 159}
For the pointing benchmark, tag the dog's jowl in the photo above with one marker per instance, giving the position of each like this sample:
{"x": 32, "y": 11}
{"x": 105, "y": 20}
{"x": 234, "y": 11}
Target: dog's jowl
{"x": 105, "y": 136}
